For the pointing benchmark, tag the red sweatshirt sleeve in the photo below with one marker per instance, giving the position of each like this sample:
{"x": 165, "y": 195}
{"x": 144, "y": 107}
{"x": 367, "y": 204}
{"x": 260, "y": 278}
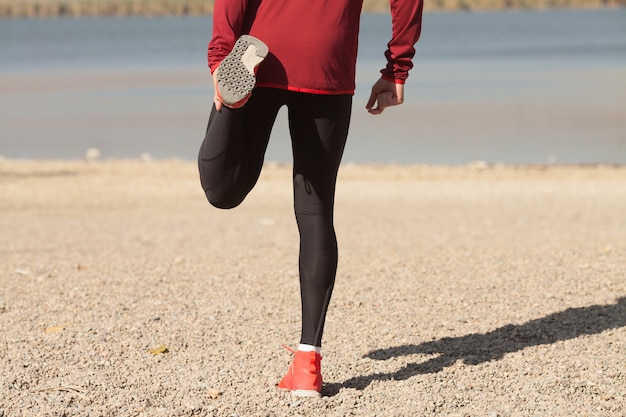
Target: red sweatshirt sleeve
{"x": 406, "y": 20}
{"x": 228, "y": 17}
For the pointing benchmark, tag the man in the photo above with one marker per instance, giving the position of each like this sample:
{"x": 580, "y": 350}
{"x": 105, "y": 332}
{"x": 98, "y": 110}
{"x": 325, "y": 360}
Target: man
{"x": 268, "y": 53}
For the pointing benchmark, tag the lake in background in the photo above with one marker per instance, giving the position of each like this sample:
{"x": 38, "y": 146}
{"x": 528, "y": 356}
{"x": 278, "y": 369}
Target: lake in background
{"x": 511, "y": 87}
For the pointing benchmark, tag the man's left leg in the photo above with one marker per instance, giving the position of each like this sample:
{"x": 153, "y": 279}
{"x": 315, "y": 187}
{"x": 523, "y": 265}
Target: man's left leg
{"x": 319, "y": 129}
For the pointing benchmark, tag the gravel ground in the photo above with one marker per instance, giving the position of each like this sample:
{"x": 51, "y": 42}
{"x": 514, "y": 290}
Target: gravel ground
{"x": 461, "y": 291}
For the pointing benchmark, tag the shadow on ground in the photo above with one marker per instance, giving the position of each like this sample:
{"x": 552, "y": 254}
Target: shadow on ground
{"x": 474, "y": 349}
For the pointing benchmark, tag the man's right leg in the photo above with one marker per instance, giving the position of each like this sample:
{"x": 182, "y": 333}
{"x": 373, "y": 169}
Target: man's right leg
{"x": 232, "y": 153}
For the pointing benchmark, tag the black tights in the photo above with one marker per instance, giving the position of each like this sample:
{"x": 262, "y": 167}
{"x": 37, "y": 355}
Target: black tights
{"x": 230, "y": 162}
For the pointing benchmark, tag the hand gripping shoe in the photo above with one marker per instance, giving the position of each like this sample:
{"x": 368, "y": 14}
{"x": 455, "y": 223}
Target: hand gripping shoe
{"x": 236, "y": 73}
{"x": 304, "y": 377}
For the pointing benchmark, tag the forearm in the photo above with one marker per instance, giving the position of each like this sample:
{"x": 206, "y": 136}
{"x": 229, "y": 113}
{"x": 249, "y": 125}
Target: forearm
{"x": 228, "y": 17}
{"x": 406, "y": 22}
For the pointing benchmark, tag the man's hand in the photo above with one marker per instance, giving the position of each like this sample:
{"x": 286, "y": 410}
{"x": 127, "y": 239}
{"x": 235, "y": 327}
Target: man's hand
{"x": 384, "y": 94}
{"x": 218, "y": 103}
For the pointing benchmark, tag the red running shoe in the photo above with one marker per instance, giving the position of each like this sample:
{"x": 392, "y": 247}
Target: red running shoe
{"x": 304, "y": 377}
{"x": 236, "y": 73}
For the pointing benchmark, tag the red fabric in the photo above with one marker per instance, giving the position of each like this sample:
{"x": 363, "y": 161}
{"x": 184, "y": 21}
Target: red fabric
{"x": 313, "y": 44}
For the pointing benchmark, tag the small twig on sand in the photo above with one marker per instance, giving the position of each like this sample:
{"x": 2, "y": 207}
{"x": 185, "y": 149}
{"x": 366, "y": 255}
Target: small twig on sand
{"x": 68, "y": 388}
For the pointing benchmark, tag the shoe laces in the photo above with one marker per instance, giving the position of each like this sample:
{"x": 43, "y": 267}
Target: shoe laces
{"x": 293, "y": 352}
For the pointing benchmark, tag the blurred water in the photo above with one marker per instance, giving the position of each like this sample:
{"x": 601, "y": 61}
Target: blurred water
{"x": 512, "y": 87}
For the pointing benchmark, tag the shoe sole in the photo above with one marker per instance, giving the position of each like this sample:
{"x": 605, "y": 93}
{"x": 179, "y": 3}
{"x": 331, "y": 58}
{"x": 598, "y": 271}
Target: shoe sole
{"x": 306, "y": 393}
{"x": 236, "y": 73}
{"x": 309, "y": 393}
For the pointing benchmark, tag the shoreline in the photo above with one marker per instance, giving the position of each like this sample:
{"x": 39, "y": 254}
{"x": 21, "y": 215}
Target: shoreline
{"x": 118, "y": 8}
{"x": 24, "y": 164}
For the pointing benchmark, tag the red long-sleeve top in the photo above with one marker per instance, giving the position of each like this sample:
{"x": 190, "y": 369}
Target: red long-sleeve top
{"x": 313, "y": 44}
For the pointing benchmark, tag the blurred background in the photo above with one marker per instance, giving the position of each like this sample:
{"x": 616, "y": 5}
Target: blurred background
{"x": 515, "y": 82}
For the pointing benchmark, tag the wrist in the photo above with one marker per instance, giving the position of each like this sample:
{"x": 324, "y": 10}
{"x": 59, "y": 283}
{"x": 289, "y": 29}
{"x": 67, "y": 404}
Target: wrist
{"x": 392, "y": 79}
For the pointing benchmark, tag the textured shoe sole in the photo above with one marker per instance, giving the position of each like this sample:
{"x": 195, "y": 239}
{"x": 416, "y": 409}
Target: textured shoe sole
{"x": 236, "y": 73}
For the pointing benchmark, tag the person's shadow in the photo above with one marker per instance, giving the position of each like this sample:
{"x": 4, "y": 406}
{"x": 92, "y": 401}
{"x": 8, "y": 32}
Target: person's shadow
{"x": 477, "y": 348}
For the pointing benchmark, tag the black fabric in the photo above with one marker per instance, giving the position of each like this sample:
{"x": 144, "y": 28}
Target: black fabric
{"x": 230, "y": 161}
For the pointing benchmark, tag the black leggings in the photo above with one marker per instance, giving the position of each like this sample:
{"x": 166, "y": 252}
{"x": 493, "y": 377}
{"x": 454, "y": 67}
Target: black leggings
{"x": 230, "y": 162}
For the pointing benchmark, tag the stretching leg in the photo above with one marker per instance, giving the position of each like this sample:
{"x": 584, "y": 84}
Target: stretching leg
{"x": 319, "y": 128}
{"x": 232, "y": 153}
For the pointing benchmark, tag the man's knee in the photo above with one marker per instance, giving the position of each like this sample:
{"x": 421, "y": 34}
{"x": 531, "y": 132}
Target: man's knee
{"x": 223, "y": 200}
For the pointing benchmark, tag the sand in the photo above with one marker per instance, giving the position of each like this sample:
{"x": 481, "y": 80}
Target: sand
{"x": 461, "y": 291}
